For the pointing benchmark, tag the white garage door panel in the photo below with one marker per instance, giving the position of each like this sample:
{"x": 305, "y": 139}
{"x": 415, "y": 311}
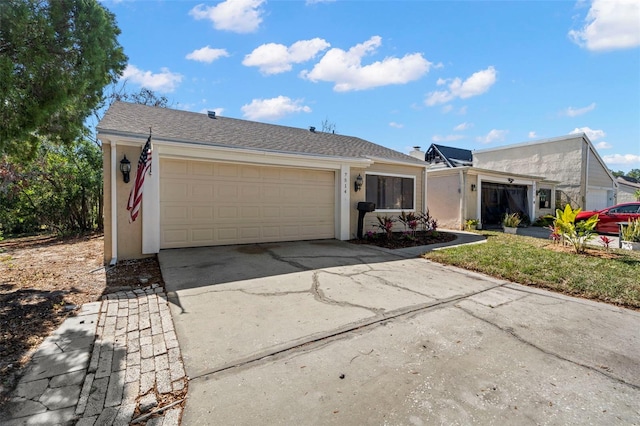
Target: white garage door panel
{"x": 596, "y": 199}
{"x": 207, "y": 203}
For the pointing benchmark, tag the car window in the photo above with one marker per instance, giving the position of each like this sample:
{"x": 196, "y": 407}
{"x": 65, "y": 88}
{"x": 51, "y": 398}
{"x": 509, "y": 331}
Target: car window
{"x": 624, "y": 210}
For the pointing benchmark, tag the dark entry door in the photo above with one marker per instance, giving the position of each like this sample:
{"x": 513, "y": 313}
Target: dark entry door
{"x": 499, "y": 199}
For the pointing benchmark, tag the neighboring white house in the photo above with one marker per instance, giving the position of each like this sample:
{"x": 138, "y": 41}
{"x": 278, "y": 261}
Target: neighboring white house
{"x": 217, "y": 180}
{"x": 583, "y": 178}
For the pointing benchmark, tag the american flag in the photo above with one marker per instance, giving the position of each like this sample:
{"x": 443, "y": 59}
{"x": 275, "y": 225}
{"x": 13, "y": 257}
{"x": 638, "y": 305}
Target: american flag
{"x": 135, "y": 197}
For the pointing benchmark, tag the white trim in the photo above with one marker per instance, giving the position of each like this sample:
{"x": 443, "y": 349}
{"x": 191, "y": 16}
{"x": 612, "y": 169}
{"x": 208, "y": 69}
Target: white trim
{"x": 114, "y": 206}
{"x": 343, "y": 203}
{"x": 413, "y": 209}
{"x": 185, "y": 151}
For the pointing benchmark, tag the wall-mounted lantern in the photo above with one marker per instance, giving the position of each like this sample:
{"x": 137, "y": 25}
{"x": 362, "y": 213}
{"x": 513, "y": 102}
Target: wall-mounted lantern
{"x": 125, "y": 168}
{"x": 473, "y": 187}
{"x": 358, "y": 183}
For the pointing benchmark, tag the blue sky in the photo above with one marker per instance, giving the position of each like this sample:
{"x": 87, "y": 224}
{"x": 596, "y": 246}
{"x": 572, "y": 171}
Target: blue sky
{"x": 469, "y": 74}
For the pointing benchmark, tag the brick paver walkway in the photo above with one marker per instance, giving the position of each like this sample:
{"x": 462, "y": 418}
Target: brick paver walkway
{"x": 134, "y": 371}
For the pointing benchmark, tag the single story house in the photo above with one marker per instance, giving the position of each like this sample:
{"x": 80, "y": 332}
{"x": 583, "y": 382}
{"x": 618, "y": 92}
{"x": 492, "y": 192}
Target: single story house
{"x": 218, "y": 181}
{"x": 628, "y": 189}
{"x": 458, "y": 190}
{"x": 583, "y": 178}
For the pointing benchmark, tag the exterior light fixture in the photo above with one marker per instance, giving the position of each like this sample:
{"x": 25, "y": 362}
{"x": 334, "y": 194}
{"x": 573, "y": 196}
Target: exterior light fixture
{"x": 510, "y": 180}
{"x": 358, "y": 183}
{"x": 473, "y": 187}
{"x": 125, "y": 168}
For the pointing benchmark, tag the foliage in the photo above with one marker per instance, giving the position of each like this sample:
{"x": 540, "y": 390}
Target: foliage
{"x": 55, "y": 59}
{"x": 511, "y": 220}
{"x": 631, "y": 231}
{"x": 544, "y": 221}
{"x": 60, "y": 190}
{"x": 427, "y": 222}
{"x": 612, "y": 278}
{"x": 637, "y": 194}
{"x": 633, "y": 173}
{"x": 606, "y": 241}
{"x": 385, "y": 224}
{"x": 471, "y": 224}
{"x": 576, "y": 234}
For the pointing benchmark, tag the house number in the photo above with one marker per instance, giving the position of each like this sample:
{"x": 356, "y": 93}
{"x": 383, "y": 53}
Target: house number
{"x": 345, "y": 183}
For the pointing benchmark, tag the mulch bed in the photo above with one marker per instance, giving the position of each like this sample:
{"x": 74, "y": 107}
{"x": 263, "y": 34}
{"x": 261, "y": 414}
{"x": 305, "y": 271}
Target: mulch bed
{"x": 404, "y": 240}
{"x": 43, "y": 280}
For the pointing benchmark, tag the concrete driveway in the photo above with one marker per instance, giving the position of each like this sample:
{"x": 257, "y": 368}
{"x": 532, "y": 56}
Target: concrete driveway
{"x": 328, "y": 332}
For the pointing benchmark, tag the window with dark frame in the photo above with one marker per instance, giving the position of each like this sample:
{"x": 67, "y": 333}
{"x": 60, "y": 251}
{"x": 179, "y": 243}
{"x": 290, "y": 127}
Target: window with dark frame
{"x": 390, "y": 192}
{"x": 545, "y": 198}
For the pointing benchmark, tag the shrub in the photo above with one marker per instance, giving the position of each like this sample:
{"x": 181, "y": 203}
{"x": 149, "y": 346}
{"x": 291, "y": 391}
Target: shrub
{"x": 630, "y": 232}
{"x": 385, "y": 224}
{"x": 577, "y": 234}
{"x": 511, "y": 220}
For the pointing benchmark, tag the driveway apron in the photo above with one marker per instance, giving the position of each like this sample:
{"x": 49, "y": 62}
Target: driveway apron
{"x": 328, "y": 332}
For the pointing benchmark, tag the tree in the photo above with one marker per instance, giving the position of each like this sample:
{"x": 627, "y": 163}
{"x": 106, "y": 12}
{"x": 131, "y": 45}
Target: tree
{"x": 328, "y": 126}
{"x": 55, "y": 59}
{"x": 59, "y": 190}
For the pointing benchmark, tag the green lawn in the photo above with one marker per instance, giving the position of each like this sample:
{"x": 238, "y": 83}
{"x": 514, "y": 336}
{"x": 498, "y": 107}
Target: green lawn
{"x": 612, "y": 277}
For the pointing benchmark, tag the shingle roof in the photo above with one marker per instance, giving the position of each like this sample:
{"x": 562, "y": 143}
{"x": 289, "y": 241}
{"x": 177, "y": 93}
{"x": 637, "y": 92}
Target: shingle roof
{"x": 189, "y": 127}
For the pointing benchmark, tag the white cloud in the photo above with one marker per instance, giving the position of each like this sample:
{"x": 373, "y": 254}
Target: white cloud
{"x": 273, "y": 109}
{"x": 620, "y": 159}
{"x": 239, "y": 16}
{"x": 164, "y": 81}
{"x": 272, "y": 58}
{"x": 591, "y": 134}
{"x": 604, "y": 145}
{"x": 533, "y": 135}
{"x": 574, "y": 112}
{"x": 207, "y": 54}
{"x": 463, "y": 126}
{"x": 447, "y": 138}
{"x": 345, "y": 69}
{"x": 609, "y": 25}
{"x": 308, "y": 2}
{"x": 396, "y": 125}
{"x": 477, "y": 84}
{"x": 494, "y": 135}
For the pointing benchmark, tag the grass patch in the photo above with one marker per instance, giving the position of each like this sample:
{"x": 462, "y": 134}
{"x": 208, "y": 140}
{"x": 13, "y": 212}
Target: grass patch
{"x": 608, "y": 276}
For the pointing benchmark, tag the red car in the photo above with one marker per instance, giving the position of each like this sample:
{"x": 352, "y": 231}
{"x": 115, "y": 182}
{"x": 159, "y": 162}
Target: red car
{"x": 608, "y": 218}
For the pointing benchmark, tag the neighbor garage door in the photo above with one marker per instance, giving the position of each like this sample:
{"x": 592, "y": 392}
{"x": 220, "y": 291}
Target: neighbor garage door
{"x": 208, "y": 203}
{"x": 596, "y": 199}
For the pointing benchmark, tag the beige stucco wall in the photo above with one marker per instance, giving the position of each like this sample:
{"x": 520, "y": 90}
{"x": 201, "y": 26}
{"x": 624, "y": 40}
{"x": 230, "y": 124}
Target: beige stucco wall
{"x": 443, "y": 198}
{"x": 129, "y": 234}
{"x": 563, "y": 161}
{"x": 370, "y": 220}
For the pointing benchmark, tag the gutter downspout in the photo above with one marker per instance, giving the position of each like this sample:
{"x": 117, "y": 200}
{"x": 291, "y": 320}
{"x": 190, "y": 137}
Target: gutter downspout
{"x": 114, "y": 207}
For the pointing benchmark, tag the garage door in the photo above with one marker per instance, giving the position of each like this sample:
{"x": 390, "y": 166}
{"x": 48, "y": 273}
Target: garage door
{"x": 207, "y": 203}
{"x": 596, "y": 199}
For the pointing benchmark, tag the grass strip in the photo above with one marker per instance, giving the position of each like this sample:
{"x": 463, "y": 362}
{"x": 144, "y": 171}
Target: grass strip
{"x": 611, "y": 276}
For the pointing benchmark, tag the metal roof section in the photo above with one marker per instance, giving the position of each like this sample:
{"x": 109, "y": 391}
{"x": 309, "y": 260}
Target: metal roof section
{"x": 452, "y": 157}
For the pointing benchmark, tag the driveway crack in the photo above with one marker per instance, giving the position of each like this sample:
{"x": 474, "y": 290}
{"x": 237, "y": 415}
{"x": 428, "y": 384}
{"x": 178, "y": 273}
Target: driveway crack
{"x": 521, "y": 339}
{"x": 319, "y": 295}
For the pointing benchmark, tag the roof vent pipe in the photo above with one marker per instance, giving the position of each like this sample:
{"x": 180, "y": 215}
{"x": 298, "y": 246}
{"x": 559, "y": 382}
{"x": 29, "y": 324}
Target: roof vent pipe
{"x": 211, "y": 114}
{"x": 312, "y": 129}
